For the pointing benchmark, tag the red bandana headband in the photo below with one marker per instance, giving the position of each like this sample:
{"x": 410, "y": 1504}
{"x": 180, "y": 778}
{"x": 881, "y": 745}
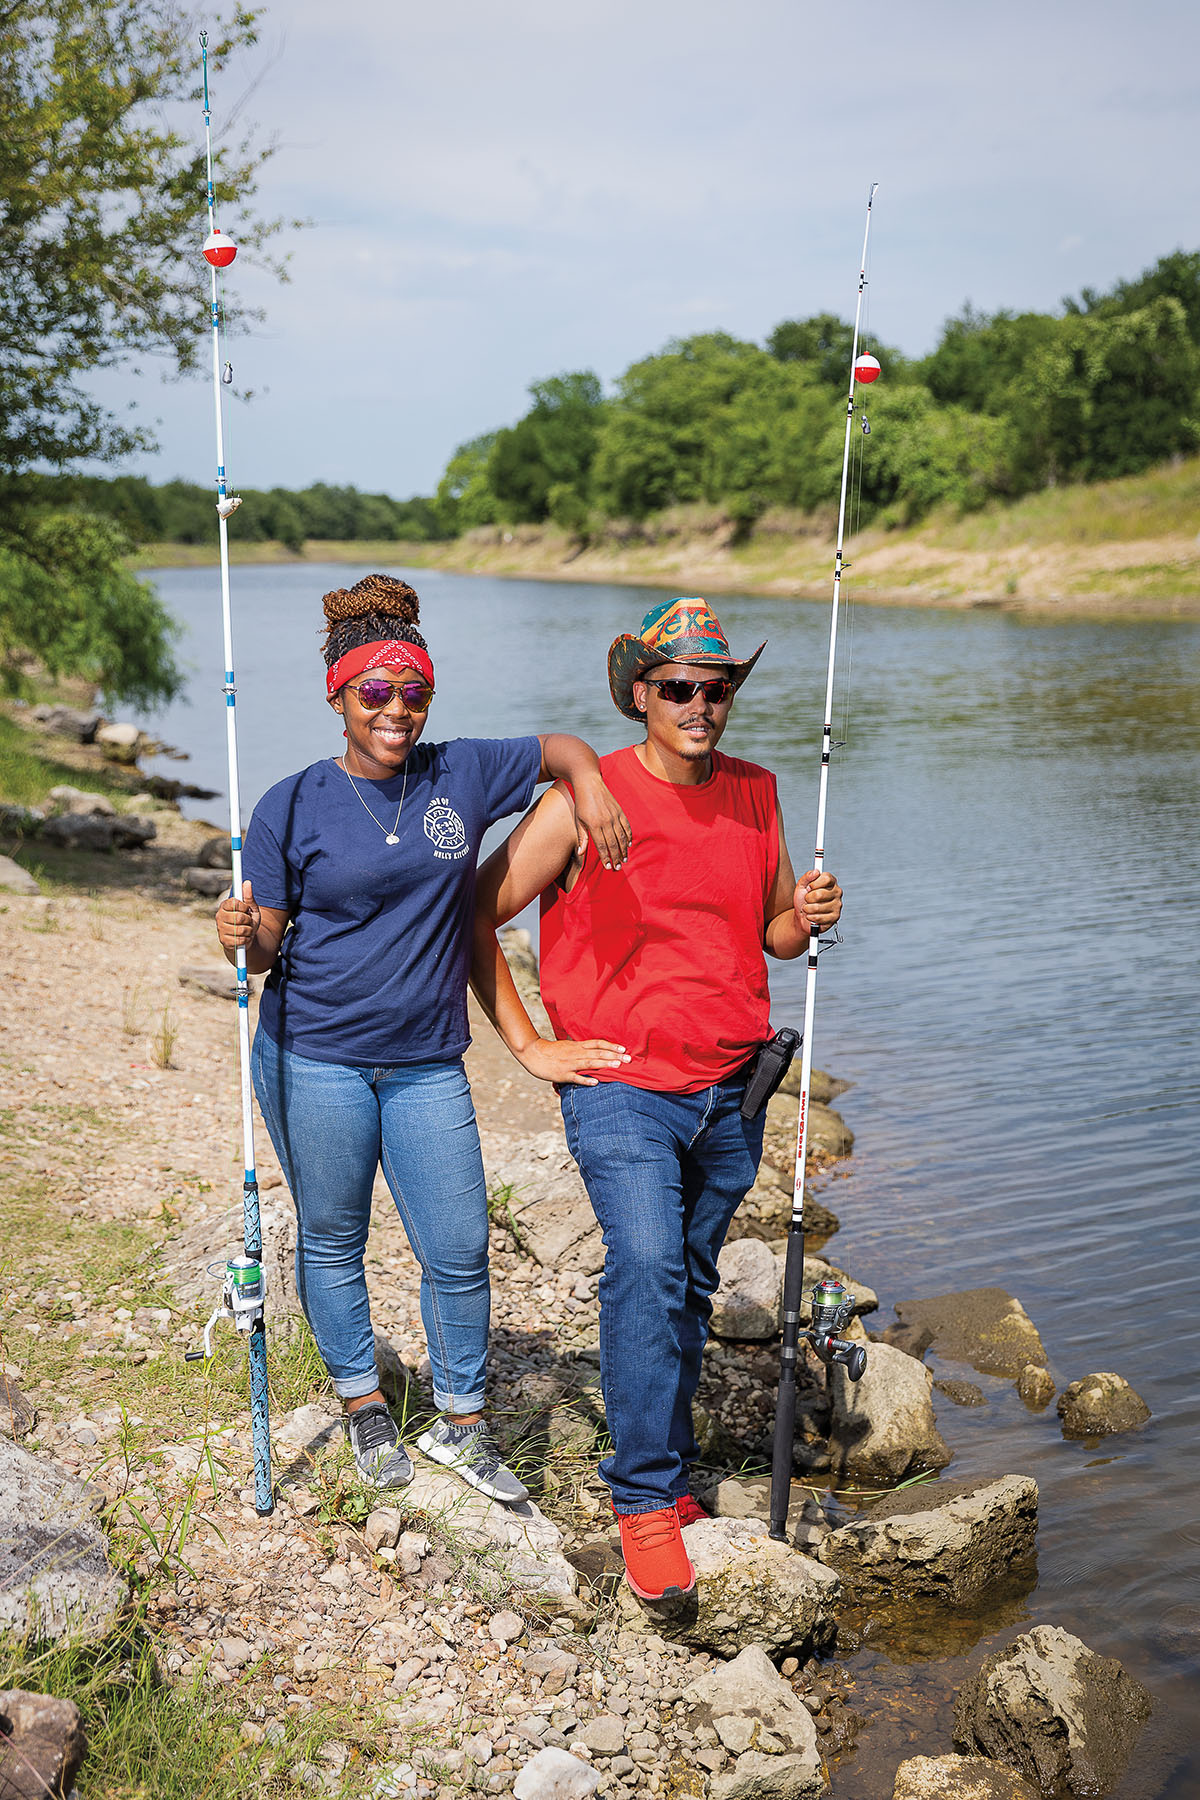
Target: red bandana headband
{"x": 391, "y": 654}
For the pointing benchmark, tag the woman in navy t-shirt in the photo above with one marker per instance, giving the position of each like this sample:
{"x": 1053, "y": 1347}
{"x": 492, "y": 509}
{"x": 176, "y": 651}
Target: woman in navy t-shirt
{"x": 357, "y": 905}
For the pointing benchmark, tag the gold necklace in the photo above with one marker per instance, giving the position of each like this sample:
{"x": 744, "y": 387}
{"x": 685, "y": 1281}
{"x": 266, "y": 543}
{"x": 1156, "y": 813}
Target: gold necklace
{"x": 389, "y": 837}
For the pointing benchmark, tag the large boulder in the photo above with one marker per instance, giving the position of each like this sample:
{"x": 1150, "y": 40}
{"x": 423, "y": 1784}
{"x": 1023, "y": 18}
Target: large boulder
{"x": 42, "y": 1745}
{"x": 822, "y": 1087}
{"x": 947, "y": 1541}
{"x": 749, "y": 1497}
{"x": 746, "y": 1305}
{"x": 985, "y": 1327}
{"x": 883, "y": 1427}
{"x": 751, "y": 1707}
{"x": 209, "y": 882}
{"x": 98, "y": 831}
{"x": 1064, "y": 1717}
{"x": 55, "y": 1577}
{"x": 215, "y": 1236}
{"x": 67, "y": 721}
{"x": 1099, "y": 1405}
{"x": 959, "y": 1778}
{"x": 525, "y": 1545}
{"x": 539, "y": 1194}
{"x": 749, "y": 1590}
{"x": 75, "y": 800}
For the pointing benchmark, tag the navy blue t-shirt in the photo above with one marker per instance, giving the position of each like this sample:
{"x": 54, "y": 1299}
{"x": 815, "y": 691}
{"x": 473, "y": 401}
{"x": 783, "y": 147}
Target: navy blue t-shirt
{"x": 374, "y": 968}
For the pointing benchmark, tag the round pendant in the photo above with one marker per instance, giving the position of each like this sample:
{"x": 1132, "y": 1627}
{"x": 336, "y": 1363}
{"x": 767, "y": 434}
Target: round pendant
{"x": 391, "y": 838}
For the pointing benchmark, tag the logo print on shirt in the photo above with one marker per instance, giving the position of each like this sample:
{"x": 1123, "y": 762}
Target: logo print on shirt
{"x": 445, "y": 830}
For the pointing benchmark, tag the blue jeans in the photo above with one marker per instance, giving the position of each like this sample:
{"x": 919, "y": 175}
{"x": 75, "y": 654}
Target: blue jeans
{"x": 665, "y": 1173}
{"x": 332, "y": 1126}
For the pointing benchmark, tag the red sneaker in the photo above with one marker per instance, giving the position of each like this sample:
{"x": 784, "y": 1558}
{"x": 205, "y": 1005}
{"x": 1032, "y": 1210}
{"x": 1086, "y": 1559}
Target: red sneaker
{"x": 656, "y": 1559}
{"x": 689, "y": 1510}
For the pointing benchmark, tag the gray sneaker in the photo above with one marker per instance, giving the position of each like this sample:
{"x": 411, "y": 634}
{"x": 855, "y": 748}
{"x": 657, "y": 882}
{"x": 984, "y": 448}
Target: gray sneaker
{"x": 379, "y": 1456}
{"x": 470, "y": 1450}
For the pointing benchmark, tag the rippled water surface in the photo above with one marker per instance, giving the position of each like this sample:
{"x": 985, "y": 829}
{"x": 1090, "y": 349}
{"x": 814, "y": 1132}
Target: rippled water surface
{"x": 1014, "y": 819}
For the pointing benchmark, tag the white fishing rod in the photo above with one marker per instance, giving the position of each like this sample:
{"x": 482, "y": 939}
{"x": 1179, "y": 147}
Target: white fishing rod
{"x": 244, "y": 1283}
{"x": 832, "y": 1306}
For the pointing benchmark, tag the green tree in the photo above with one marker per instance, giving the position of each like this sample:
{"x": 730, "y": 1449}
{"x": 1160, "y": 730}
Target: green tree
{"x": 100, "y": 222}
{"x": 823, "y": 345}
{"x": 550, "y": 448}
{"x": 464, "y": 499}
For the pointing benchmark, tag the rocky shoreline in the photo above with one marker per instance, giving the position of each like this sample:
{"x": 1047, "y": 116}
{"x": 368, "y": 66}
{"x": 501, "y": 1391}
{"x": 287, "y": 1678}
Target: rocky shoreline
{"x": 439, "y": 1645}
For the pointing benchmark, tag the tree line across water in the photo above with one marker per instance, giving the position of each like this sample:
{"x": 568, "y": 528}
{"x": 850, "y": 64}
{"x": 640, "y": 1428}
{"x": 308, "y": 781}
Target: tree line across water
{"x": 1006, "y": 404}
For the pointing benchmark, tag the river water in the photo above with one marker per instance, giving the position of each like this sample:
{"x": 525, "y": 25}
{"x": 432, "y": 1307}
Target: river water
{"x": 1014, "y": 818}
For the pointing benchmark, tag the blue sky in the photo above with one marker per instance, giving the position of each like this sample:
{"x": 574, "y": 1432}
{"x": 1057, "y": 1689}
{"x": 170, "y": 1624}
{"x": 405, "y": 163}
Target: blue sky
{"x": 502, "y": 193}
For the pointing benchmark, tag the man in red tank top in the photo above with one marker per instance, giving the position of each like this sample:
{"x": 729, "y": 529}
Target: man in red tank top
{"x": 654, "y": 975}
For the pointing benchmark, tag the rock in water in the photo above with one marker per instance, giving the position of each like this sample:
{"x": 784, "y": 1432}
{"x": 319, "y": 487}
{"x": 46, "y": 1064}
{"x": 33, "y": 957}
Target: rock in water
{"x": 985, "y": 1327}
{"x": 1099, "y": 1405}
{"x": 42, "y": 1745}
{"x": 1054, "y": 1710}
{"x": 948, "y": 1541}
{"x": 1035, "y": 1386}
{"x": 749, "y": 1590}
{"x": 883, "y": 1426}
{"x": 55, "y": 1576}
{"x": 751, "y": 1707}
{"x": 959, "y": 1778}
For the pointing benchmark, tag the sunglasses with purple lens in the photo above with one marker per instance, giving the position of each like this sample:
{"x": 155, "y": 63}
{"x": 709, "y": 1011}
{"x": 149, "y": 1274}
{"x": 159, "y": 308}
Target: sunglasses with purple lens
{"x": 678, "y": 693}
{"x": 374, "y": 695}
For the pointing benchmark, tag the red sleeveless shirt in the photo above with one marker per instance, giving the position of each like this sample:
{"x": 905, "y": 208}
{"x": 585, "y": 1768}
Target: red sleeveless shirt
{"x": 665, "y": 955}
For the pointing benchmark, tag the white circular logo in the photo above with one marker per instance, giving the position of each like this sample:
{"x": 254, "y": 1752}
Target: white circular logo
{"x": 444, "y": 828}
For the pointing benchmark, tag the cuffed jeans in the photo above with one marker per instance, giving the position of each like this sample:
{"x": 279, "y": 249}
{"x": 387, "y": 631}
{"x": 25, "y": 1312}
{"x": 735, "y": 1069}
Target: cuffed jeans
{"x": 332, "y": 1126}
{"x": 666, "y": 1173}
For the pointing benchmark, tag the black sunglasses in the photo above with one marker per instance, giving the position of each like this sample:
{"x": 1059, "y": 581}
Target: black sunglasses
{"x": 374, "y": 695}
{"x": 678, "y": 693}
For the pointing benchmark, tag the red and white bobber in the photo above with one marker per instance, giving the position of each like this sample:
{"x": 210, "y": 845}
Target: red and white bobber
{"x": 866, "y": 368}
{"x": 219, "y": 250}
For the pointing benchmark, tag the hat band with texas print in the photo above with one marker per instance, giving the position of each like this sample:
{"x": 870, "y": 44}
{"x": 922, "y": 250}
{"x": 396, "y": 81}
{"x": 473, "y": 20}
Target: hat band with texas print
{"x": 685, "y": 629}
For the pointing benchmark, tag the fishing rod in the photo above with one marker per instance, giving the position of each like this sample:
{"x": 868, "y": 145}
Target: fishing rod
{"x": 832, "y": 1306}
{"x": 244, "y": 1286}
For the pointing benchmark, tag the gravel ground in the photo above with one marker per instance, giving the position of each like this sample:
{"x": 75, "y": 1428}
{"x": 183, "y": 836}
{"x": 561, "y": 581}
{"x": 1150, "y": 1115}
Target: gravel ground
{"x": 442, "y": 1678}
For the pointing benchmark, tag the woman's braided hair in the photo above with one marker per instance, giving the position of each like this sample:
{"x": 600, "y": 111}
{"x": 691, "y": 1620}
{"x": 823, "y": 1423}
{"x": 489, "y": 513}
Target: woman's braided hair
{"x": 377, "y": 609}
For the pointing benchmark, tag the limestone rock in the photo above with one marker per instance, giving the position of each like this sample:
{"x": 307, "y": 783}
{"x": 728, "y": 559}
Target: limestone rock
{"x": 1035, "y": 1386}
{"x": 42, "y": 1745}
{"x": 17, "y": 1411}
{"x": 883, "y": 1426}
{"x": 16, "y": 880}
{"x": 749, "y": 1497}
{"x": 959, "y": 1778}
{"x": 67, "y": 721}
{"x": 1064, "y": 1717}
{"x": 766, "y": 1211}
{"x": 528, "y": 1544}
{"x": 75, "y": 800}
{"x": 382, "y": 1529}
{"x": 556, "y": 1775}
{"x": 914, "y": 1340}
{"x": 55, "y": 1576}
{"x": 751, "y": 1707}
{"x": 828, "y": 1133}
{"x": 211, "y": 882}
{"x": 220, "y": 982}
{"x": 758, "y": 1777}
{"x": 216, "y": 852}
{"x": 216, "y": 1236}
{"x": 97, "y": 831}
{"x": 120, "y": 743}
{"x": 947, "y": 1541}
{"x": 822, "y": 1087}
{"x": 962, "y": 1393}
{"x": 547, "y": 1201}
{"x": 746, "y": 1305}
{"x": 749, "y": 1590}
{"x": 985, "y": 1327}
{"x": 866, "y": 1300}
{"x": 604, "y": 1735}
{"x": 1100, "y": 1405}
{"x": 307, "y": 1430}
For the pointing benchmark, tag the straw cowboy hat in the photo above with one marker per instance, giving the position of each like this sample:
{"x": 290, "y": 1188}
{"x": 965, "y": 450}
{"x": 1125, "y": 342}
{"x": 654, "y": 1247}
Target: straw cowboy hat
{"x": 679, "y": 630}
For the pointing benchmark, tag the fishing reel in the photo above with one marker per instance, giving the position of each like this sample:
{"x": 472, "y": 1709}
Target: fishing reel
{"x": 832, "y": 1310}
{"x": 243, "y": 1292}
